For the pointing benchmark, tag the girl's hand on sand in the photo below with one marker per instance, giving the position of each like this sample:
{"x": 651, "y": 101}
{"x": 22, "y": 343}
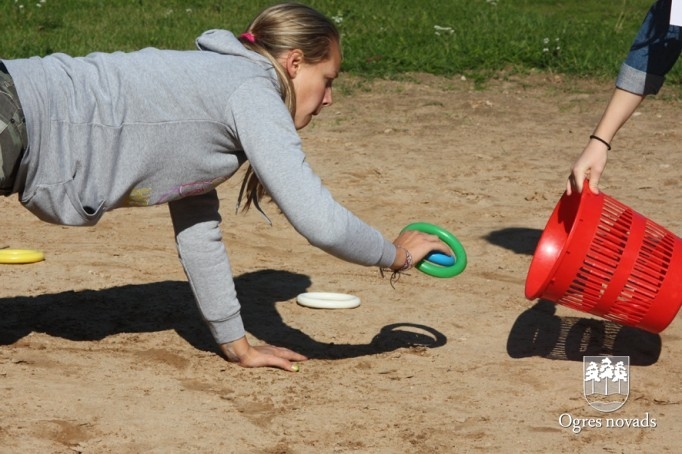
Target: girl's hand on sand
{"x": 243, "y": 354}
{"x": 419, "y": 244}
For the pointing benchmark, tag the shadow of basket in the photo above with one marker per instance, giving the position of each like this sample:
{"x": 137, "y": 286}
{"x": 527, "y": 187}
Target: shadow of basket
{"x": 538, "y": 331}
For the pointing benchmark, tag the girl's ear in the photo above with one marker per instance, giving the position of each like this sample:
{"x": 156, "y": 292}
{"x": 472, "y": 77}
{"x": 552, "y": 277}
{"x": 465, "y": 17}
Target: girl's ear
{"x": 292, "y": 62}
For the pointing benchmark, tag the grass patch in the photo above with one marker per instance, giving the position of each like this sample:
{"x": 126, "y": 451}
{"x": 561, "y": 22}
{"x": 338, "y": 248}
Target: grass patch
{"x": 475, "y": 38}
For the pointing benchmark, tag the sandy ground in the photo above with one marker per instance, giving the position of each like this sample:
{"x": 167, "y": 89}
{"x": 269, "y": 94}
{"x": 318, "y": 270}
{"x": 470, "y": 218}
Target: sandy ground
{"x": 103, "y": 351}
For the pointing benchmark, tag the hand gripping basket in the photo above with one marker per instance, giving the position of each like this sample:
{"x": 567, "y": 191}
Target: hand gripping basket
{"x": 599, "y": 256}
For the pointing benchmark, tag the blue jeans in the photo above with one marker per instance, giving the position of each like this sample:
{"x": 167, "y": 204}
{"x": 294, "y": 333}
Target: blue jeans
{"x": 653, "y": 52}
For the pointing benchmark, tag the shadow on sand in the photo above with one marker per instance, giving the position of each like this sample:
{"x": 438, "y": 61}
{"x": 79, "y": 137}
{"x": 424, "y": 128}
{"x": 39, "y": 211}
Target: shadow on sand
{"x": 90, "y": 315}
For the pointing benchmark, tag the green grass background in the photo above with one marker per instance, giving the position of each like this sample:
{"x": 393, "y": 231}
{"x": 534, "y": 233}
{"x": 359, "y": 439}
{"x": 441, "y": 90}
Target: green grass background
{"x": 381, "y": 38}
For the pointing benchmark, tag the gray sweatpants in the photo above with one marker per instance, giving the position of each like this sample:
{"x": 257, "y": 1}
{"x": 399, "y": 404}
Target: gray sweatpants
{"x": 12, "y": 132}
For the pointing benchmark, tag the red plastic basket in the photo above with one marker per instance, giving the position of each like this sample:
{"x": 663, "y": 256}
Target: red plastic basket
{"x": 599, "y": 256}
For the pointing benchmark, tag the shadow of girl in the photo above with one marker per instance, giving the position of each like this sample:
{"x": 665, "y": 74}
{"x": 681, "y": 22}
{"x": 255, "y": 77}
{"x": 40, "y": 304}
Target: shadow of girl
{"x": 259, "y": 291}
{"x": 90, "y": 315}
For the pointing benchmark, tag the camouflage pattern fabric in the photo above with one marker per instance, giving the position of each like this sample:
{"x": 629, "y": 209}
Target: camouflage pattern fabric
{"x": 12, "y": 132}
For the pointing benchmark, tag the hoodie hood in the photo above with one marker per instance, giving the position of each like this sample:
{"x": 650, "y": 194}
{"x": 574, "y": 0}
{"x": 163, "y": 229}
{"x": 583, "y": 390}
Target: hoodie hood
{"x": 224, "y": 42}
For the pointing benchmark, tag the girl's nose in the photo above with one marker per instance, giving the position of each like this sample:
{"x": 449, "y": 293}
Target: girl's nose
{"x": 327, "y": 100}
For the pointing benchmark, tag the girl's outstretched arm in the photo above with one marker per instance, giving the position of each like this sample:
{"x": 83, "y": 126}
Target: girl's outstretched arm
{"x": 592, "y": 161}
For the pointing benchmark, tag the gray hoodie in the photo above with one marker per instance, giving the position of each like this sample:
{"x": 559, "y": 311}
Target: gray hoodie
{"x": 163, "y": 126}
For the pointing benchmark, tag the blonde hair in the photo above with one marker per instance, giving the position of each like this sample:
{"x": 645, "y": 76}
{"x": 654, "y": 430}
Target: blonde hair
{"x": 275, "y": 31}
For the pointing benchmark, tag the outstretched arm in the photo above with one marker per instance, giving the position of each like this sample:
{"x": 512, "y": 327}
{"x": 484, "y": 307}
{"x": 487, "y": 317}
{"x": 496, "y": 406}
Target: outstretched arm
{"x": 652, "y": 55}
{"x": 592, "y": 161}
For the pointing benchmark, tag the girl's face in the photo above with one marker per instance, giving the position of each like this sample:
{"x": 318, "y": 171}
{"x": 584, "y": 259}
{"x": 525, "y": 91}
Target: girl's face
{"x": 312, "y": 83}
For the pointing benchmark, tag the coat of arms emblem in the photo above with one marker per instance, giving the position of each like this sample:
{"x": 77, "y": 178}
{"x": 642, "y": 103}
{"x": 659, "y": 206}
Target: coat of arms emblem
{"x": 606, "y": 383}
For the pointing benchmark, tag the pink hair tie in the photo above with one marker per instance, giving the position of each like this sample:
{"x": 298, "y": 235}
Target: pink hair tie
{"x": 249, "y": 37}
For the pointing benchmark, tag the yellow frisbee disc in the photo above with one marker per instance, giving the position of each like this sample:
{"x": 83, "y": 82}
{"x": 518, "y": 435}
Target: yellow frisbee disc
{"x": 21, "y": 256}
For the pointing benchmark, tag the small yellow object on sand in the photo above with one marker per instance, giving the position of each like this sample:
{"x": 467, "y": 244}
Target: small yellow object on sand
{"x": 15, "y": 256}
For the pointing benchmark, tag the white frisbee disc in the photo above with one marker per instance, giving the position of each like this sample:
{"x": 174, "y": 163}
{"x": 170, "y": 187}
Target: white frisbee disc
{"x": 325, "y": 300}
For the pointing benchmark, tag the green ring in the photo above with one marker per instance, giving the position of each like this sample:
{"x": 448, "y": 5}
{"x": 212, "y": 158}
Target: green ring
{"x": 448, "y": 238}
